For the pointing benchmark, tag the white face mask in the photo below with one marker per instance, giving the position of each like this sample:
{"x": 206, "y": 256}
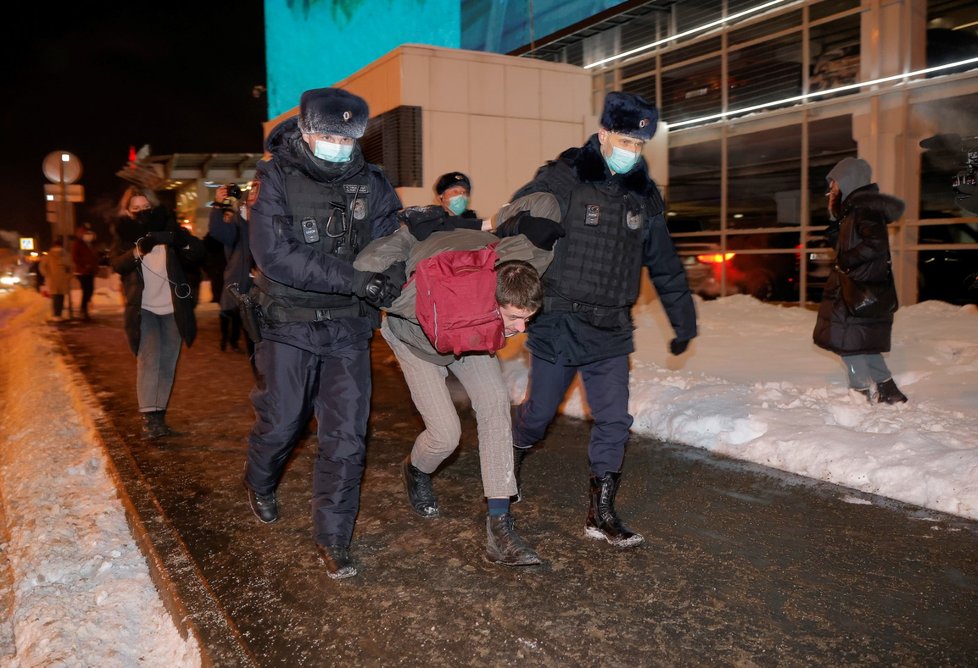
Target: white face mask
{"x": 330, "y": 152}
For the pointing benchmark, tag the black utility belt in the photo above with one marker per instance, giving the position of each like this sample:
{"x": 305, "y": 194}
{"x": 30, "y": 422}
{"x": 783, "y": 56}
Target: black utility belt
{"x": 559, "y": 305}
{"x": 277, "y": 313}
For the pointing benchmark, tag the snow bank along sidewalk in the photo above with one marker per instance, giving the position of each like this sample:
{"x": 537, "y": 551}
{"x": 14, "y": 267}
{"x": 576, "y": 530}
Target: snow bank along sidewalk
{"x": 77, "y": 589}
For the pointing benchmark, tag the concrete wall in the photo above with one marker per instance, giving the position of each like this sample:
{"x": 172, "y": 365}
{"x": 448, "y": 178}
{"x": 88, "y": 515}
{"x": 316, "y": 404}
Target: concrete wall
{"x": 496, "y": 118}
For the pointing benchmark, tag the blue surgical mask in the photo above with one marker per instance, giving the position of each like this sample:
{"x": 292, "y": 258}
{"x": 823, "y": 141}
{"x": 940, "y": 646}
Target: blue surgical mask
{"x": 621, "y": 161}
{"x": 458, "y": 204}
{"x": 330, "y": 152}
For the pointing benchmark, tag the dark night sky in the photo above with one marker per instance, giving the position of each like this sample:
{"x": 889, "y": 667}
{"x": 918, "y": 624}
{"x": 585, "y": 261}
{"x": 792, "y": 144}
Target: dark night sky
{"x": 101, "y": 77}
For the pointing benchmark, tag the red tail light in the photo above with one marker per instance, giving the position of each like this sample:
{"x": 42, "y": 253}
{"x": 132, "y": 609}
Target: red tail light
{"x": 715, "y": 258}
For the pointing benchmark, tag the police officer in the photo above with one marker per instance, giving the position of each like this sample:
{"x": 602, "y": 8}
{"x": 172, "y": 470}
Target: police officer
{"x": 318, "y": 203}
{"x": 453, "y": 193}
{"x": 613, "y": 216}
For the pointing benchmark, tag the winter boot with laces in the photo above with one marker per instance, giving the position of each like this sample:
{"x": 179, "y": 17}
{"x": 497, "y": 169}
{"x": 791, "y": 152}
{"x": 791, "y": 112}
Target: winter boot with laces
{"x": 602, "y": 522}
{"x": 264, "y": 506}
{"x": 154, "y": 425}
{"x": 338, "y": 562}
{"x": 889, "y": 393}
{"x": 504, "y": 545}
{"x": 421, "y": 495}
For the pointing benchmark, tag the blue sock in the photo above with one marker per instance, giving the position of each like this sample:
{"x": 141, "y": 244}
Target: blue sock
{"x": 498, "y": 507}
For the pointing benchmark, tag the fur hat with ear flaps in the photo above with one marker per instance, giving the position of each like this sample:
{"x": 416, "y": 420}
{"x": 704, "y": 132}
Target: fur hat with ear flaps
{"x": 333, "y": 111}
{"x": 628, "y": 114}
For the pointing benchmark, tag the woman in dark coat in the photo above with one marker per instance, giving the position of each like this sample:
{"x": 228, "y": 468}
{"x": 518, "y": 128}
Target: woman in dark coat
{"x": 152, "y": 253}
{"x": 860, "y": 214}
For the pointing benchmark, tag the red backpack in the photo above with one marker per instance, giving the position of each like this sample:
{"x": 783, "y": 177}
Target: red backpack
{"x": 456, "y": 301}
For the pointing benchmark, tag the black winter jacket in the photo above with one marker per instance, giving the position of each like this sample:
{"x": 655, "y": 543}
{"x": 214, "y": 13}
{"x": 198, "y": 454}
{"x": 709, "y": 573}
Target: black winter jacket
{"x": 567, "y": 337}
{"x": 184, "y": 255}
{"x": 863, "y": 252}
{"x": 280, "y": 253}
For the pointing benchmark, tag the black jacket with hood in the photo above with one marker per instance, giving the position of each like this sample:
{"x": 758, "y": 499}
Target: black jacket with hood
{"x": 863, "y": 252}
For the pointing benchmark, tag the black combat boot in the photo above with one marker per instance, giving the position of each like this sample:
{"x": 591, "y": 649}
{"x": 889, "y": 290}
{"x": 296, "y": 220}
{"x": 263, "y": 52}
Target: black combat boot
{"x": 602, "y": 521}
{"x": 889, "y": 393}
{"x": 504, "y": 545}
{"x": 337, "y": 560}
{"x": 421, "y": 495}
{"x": 154, "y": 425}
{"x": 519, "y": 454}
{"x": 265, "y": 506}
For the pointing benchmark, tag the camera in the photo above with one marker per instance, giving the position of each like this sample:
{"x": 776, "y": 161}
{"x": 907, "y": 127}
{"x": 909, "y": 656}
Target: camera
{"x": 310, "y": 232}
{"x": 233, "y": 191}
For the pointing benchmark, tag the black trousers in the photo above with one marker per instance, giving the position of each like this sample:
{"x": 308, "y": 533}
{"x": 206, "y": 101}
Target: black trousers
{"x": 294, "y": 384}
{"x": 87, "y": 282}
{"x": 606, "y": 388}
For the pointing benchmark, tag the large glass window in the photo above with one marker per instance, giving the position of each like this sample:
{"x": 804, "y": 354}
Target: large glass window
{"x": 764, "y": 178}
{"x": 834, "y": 54}
{"x": 693, "y": 196}
{"x": 691, "y": 91}
{"x": 947, "y": 259}
{"x": 764, "y": 72}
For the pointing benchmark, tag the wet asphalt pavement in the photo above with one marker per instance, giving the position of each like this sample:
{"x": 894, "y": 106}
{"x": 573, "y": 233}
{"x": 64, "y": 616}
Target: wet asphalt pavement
{"x": 741, "y": 565}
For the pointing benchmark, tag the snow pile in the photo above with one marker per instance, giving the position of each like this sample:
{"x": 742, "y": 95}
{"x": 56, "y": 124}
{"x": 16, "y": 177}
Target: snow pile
{"x": 81, "y": 593}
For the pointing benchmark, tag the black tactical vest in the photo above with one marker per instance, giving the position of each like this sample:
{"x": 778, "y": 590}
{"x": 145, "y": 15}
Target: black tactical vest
{"x": 599, "y": 262}
{"x": 333, "y": 219}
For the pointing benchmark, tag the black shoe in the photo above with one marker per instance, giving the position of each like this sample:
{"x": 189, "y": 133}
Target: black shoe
{"x": 420, "y": 493}
{"x": 602, "y": 521}
{"x": 155, "y": 427}
{"x": 265, "y": 506}
{"x": 504, "y": 545}
{"x": 889, "y": 393}
{"x": 337, "y": 560}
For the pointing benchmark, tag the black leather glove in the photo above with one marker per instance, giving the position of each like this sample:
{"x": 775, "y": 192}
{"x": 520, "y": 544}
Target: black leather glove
{"x": 542, "y": 232}
{"x": 375, "y": 288}
{"x": 678, "y": 346}
{"x": 423, "y": 221}
{"x": 151, "y": 239}
{"x": 397, "y": 273}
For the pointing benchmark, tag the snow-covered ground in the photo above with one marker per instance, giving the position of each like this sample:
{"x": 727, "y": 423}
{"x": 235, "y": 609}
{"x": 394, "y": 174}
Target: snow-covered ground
{"x": 752, "y": 386}
{"x": 76, "y": 590}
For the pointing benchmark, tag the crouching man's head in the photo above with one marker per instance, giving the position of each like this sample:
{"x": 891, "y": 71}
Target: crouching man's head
{"x": 519, "y": 294}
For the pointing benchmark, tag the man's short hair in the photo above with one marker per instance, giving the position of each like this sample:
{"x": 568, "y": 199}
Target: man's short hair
{"x": 518, "y": 284}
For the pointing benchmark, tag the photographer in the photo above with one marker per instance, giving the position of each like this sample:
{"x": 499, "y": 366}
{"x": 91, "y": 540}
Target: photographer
{"x": 152, "y": 254}
{"x": 228, "y": 224}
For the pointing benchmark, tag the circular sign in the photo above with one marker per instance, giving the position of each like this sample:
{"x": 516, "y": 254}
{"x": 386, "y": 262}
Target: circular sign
{"x": 61, "y": 167}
